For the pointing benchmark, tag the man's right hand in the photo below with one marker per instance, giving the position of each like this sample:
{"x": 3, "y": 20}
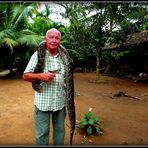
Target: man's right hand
{"x": 47, "y": 77}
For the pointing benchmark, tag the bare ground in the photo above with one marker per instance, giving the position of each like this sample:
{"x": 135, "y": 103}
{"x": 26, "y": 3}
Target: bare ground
{"x": 124, "y": 119}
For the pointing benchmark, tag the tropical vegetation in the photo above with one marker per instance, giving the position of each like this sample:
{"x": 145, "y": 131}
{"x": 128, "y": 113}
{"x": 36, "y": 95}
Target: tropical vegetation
{"x": 92, "y": 26}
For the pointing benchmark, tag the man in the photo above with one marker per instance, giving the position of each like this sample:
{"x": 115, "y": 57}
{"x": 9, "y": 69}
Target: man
{"x": 51, "y": 97}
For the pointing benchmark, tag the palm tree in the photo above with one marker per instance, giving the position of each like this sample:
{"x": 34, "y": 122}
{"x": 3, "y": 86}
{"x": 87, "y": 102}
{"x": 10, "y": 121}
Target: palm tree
{"x": 14, "y": 18}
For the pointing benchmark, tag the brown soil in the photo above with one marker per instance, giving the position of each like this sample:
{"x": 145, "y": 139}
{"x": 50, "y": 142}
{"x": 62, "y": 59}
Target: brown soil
{"x": 124, "y": 119}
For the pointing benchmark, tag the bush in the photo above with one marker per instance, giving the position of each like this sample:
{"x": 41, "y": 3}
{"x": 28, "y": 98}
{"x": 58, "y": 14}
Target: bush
{"x": 90, "y": 124}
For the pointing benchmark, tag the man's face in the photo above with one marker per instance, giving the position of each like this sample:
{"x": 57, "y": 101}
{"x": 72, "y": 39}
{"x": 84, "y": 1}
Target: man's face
{"x": 53, "y": 39}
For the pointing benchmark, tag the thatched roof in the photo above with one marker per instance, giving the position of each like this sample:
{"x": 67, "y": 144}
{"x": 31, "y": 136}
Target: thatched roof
{"x": 133, "y": 39}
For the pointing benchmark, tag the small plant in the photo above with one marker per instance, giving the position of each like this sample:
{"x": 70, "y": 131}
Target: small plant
{"x": 90, "y": 124}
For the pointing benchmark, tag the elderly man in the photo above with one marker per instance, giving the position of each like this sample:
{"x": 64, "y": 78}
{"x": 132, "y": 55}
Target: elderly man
{"x": 51, "y": 98}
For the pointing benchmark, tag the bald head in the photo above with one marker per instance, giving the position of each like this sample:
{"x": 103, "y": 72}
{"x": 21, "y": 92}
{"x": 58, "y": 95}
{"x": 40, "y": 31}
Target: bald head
{"x": 53, "y": 37}
{"x": 53, "y": 30}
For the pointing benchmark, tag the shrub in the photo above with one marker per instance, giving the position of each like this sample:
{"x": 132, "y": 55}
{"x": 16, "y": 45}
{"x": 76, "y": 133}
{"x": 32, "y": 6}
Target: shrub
{"x": 90, "y": 124}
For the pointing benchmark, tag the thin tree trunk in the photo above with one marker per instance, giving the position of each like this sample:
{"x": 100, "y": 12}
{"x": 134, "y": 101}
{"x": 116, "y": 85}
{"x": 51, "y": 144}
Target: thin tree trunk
{"x": 97, "y": 64}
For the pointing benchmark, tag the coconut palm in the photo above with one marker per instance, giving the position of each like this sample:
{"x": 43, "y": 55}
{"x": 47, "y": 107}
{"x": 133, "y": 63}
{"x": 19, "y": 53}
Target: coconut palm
{"x": 14, "y": 18}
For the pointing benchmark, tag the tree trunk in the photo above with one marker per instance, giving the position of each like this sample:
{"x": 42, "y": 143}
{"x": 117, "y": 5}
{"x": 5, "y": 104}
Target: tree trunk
{"x": 97, "y": 64}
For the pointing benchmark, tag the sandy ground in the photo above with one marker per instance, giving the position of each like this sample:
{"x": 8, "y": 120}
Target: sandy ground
{"x": 124, "y": 119}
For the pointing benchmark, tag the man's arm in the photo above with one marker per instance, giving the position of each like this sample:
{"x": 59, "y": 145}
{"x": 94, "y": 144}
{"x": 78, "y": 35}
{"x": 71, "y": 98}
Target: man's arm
{"x": 31, "y": 77}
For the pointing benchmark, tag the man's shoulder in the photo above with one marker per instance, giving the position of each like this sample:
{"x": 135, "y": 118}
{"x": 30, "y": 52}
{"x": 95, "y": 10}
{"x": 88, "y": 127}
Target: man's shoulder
{"x": 42, "y": 43}
{"x": 34, "y": 54}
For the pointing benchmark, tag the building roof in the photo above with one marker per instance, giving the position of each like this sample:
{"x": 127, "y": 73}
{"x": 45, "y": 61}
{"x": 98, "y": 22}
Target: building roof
{"x": 133, "y": 39}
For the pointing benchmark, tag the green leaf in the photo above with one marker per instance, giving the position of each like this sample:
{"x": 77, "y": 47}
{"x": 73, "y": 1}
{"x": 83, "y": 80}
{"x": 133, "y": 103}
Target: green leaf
{"x": 95, "y": 119}
{"x": 89, "y": 130}
{"x": 83, "y": 119}
{"x": 91, "y": 122}
{"x": 98, "y": 130}
{"x": 83, "y": 124}
{"x": 88, "y": 115}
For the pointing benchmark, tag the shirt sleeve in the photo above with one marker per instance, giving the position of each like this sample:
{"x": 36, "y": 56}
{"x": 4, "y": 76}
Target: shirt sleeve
{"x": 32, "y": 63}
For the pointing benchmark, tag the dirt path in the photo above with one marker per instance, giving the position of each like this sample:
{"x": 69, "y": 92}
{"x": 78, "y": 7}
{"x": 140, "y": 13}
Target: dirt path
{"x": 124, "y": 119}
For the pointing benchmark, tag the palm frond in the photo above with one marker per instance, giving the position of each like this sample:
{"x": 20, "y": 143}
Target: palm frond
{"x": 21, "y": 12}
{"x": 7, "y": 33}
{"x": 17, "y": 15}
{"x": 29, "y": 39}
{"x": 10, "y": 43}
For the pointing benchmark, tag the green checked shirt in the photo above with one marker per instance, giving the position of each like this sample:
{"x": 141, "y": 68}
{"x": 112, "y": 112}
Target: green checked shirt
{"x": 53, "y": 95}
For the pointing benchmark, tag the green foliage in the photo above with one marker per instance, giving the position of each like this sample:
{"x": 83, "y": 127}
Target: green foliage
{"x": 105, "y": 55}
{"x": 90, "y": 124}
{"x": 92, "y": 25}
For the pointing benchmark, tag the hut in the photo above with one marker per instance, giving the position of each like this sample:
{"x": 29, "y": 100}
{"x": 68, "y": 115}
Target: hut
{"x": 136, "y": 61}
